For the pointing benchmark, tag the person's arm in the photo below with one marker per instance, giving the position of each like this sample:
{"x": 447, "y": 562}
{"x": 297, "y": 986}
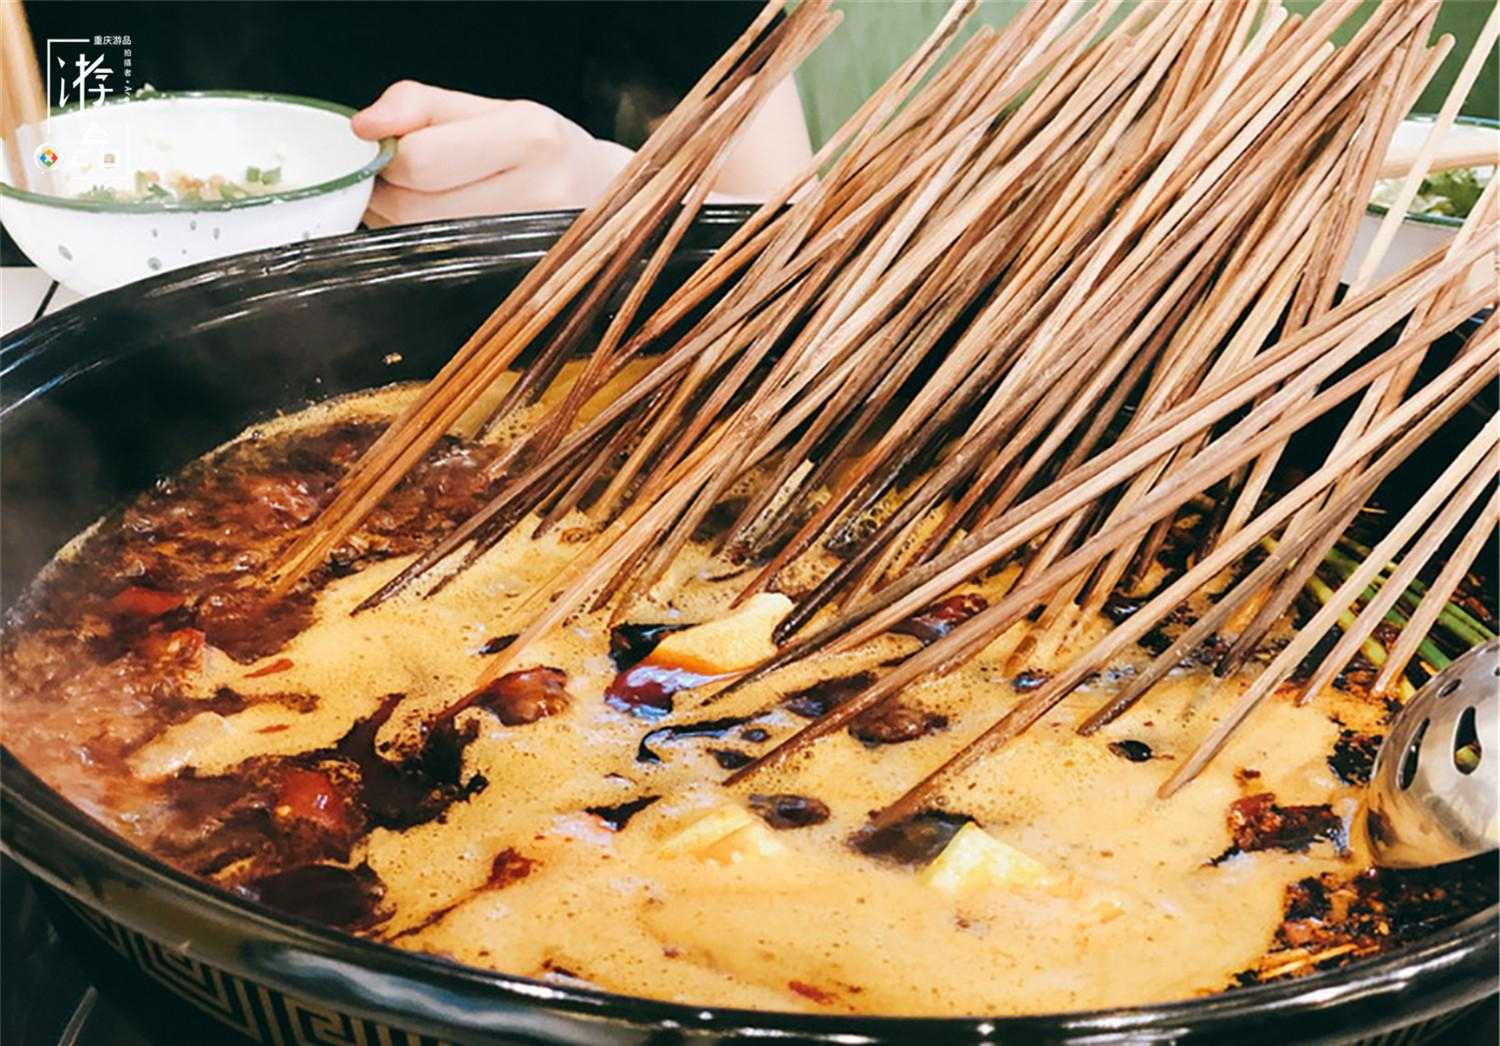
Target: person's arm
{"x": 462, "y": 155}
{"x": 771, "y": 150}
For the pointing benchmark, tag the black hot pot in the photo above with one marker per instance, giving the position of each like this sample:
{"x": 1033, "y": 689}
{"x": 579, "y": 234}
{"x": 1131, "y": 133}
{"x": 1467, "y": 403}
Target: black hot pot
{"x": 102, "y": 398}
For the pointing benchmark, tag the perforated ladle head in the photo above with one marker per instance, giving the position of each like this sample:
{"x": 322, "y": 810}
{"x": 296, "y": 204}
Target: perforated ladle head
{"x": 1433, "y": 793}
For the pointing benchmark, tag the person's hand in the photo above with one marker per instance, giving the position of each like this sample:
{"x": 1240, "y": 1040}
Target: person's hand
{"x": 461, "y": 155}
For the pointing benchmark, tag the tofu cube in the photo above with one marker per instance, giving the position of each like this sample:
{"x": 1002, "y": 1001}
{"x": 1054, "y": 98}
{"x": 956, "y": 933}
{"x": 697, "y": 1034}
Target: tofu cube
{"x": 737, "y": 640}
{"x": 725, "y": 835}
{"x": 973, "y": 858}
{"x": 753, "y": 840}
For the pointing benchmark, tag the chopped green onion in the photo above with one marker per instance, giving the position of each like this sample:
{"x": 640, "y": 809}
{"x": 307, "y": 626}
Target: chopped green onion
{"x": 1456, "y": 619}
{"x": 1372, "y": 648}
{"x": 1427, "y": 648}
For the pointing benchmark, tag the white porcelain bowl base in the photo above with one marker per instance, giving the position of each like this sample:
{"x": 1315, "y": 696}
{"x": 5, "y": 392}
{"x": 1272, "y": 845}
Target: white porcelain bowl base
{"x": 326, "y": 174}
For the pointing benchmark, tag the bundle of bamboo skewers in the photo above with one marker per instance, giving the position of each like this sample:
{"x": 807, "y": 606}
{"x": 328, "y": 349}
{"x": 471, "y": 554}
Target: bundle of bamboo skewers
{"x": 1031, "y": 303}
{"x": 25, "y": 101}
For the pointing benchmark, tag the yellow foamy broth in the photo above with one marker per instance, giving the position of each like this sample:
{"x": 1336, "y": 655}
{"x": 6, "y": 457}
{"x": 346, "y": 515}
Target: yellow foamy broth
{"x": 1133, "y": 911}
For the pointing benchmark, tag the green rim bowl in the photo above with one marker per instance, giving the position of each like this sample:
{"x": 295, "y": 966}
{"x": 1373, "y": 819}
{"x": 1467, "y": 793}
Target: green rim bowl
{"x": 90, "y": 245}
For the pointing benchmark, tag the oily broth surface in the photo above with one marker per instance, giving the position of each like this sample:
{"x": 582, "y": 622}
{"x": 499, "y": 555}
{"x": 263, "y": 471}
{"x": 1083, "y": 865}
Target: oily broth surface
{"x": 1137, "y": 914}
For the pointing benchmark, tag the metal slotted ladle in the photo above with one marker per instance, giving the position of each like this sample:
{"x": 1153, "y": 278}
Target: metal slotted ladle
{"x": 1433, "y": 793}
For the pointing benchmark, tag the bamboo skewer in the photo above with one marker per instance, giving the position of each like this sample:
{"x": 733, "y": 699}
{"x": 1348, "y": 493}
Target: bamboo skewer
{"x": 1033, "y": 707}
{"x": 1252, "y": 274}
{"x": 1314, "y": 295}
{"x": 1437, "y": 596}
{"x": 1393, "y": 100}
{"x": 950, "y": 224}
{"x": 1338, "y": 226}
{"x": 1029, "y": 710}
{"x": 1449, "y": 156}
{"x": 888, "y": 194}
{"x": 1245, "y": 592}
{"x": 1414, "y": 560}
{"x": 1284, "y": 662}
{"x": 1380, "y": 397}
{"x": 861, "y": 624}
{"x": 1020, "y": 311}
{"x": 978, "y": 630}
{"x": 1352, "y": 323}
{"x": 1035, "y": 515}
{"x": 25, "y": 108}
{"x": 1462, "y": 85}
{"x": 1014, "y": 408}
{"x": 555, "y": 280}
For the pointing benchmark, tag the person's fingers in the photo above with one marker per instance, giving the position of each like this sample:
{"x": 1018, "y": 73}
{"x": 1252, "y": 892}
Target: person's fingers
{"x": 494, "y": 195}
{"x": 574, "y": 179}
{"x": 408, "y": 105}
{"x": 449, "y": 155}
{"x": 519, "y": 189}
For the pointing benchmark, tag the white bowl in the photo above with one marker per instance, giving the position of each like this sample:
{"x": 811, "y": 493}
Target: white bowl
{"x": 1419, "y": 234}
{"x": 94, "y": 245}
